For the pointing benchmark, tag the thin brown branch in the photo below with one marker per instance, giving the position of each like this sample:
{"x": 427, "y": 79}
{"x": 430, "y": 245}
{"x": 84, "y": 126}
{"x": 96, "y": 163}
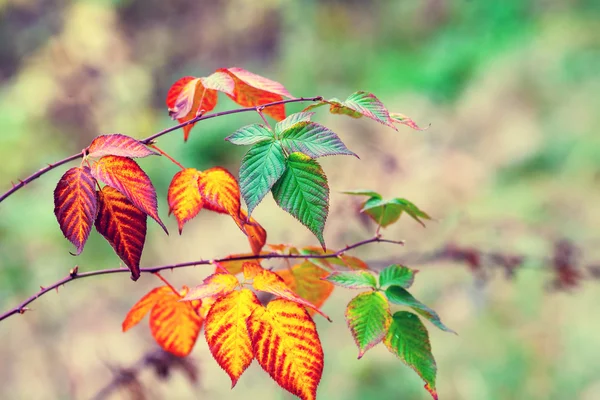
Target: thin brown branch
{"x": 75, "y": 275}
{"x": 150, "y": 139}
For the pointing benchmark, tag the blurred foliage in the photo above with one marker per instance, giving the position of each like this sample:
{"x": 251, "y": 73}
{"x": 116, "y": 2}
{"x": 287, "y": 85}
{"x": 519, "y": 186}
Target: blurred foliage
{"x": 512, "y": 161}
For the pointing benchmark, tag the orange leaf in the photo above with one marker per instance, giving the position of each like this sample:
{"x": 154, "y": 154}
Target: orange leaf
{"x": 270, "y": 282}
{"x": 252, "y": 269}
{"x": 254, "y": 90}
{"x": 187, "y": 98}
{"x": 123, "y": 225}
{"x": 284, "y": 248}
{"x": 118, "y": 145}
{"x": 236, "y": 266}
{"x": 286, "y": 345}
{"x": 143, "y": 307}
{"x": 76, "y": 205}
{"x": 175, "y": 325}
{"x": 257, "y": 236}
{"x": 214, "y": 286}
{"x": 220, "y": 191}
{"x": 227, "y": 334}
{"x": 184, "y": 196}
{"x": 127, "y": 177}
{"x": 305, "y": 280}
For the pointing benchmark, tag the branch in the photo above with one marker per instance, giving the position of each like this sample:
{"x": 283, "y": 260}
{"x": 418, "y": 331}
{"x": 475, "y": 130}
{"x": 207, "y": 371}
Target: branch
{"x": 150, "y": 139}
{"x": 74, "y": 273}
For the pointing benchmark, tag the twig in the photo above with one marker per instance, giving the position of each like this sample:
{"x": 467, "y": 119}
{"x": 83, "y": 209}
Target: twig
{"x": 74, "y": 274}
{"x": 150, "y": 139}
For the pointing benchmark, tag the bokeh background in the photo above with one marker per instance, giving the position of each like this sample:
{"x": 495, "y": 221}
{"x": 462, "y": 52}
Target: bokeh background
{"x": 510, "y": 164}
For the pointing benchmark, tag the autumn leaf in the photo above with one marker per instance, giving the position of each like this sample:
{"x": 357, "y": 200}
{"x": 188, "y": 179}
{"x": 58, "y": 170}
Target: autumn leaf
{"x": 306, "y": 280}
{"x": 253, "y": 90}
{"x": 270, "y": 282}
{"x": 214, "y": 285}
{"x": 174, "y": 325}
{"x": 184, "y": 197}
{"x": 123, "y": 225}
{"x": 235, "y": 267}
{"x": 368, "y": 317}
{"x": 227, "y": 333}
{"x": 344, "y": 260}
{"x": 257, "y": 236}
{"x": 118, "y": 145}
{"x": 187, "y": 98}
{"x": 404, "y": 120}
{"x": 220, "y": 81}
{"x": 220, "y": 191}
{"x": 286, "y": 345}
{"x": 127, "y": 177}
{"x": 408, "y": 339}
{"x": 251, "y": 269}
{"x": 76, "y": 205}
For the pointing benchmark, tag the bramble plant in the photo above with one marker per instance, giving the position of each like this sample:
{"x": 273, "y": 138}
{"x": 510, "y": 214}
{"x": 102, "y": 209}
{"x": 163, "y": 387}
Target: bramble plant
{"x": 109, "y": 191}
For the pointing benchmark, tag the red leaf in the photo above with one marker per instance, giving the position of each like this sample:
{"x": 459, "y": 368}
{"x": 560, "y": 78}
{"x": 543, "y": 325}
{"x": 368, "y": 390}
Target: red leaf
{"x": 254, "y": 90}
{"x": 127, "y": 177}
{"x": 76, "y": 205}
{"x": 184, "y": 196}
{"x": 118, "y": 145}
{"x": 187, "y": 98}
{"x": 123, "y": 225}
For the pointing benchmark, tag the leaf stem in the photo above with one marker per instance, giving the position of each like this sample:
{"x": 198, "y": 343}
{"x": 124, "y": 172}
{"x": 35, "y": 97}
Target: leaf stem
{"x": 164, "y": 153}
{"x": 259, "y": 110}
{"x": 159, "y": 276}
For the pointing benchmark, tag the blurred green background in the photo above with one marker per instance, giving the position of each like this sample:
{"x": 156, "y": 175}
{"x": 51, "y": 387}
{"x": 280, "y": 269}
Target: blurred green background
{"x": 511, "y": 163}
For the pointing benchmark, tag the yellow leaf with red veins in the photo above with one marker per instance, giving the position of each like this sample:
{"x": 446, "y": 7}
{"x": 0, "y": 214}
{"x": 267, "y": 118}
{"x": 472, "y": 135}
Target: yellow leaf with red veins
{"x": 270, "y": 282}
{"x": 123, "y": 225}
{"x": 306, "y": 281}
{"x": 286, "y": 345}
{"x": 184, "y": 197}
{"x": 227, "y": 334}
{"x": 215, "y": 285}
{"x": 220, "y": 191}
{"x": 252, "y": 269}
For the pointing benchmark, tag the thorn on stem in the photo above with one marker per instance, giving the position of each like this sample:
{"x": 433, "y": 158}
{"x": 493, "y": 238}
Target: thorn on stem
{"x": 73, "y": 272}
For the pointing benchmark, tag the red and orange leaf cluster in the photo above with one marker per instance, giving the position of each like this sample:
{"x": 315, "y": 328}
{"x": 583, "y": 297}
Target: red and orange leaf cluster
{"x": 119, "y": 209}
{"x": 190, "y": 97}
{"x": 175, "y": 325}
{"x": 214, "y": 189}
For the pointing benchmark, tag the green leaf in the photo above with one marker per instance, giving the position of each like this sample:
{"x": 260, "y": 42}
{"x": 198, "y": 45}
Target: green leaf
{"x": 397, "y": 274}
{"x": 250, "y": 134}
{"x": 369, "y": 193}
{"x": 386, "y": 212}
{"x": 363, "y": 104}
{"x": 261, "y": 167}
{"x": 368, "y": 317}
{"x": 401, "y": 296}
{"x": 292, "y": 120}
{"x": 303, "y": 192}
{"x": 407, "y": 338}
{"x": 314, "y": 140}
{"x": 353, "y": 280}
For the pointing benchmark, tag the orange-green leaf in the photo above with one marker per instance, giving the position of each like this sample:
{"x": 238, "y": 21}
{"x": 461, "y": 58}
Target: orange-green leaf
{"x": 252, "y": 269}
{"x": 220, "y": 191}
{"x": 368, "y": 317}
{"x": 76, "y": 205}
{"x": 127, "y": 177}
{"x": 270, "y": 282}
{"x": 286, "y": 344}
{"x": 254, "y": 90}
{"x": 213, "y": 286}
{"x": 118, "y": 145}
{"x": 227, "y": 333}
{"x": 404, "y": 120}
{"x": 184, "y": 197}
{"x": 143, "y": 307}
{"x": 175, "y": 325}
{"x": 187, "y": 98}
{"x": 123, "y": 225}
{"x": 306, "y": 281}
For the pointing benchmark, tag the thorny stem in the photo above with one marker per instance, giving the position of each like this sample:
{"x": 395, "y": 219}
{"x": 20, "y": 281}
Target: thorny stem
{"x": 73, "y": 275}
{"x": 164, "y": 153}
{"x": 150, "y": 139}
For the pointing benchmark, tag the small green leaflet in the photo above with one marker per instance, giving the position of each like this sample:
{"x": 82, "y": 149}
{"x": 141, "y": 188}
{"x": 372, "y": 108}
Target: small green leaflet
{"x": 397, "y": 274}
{"x": 314, "y": 140}
{"x": 261, "y": 167}
{"x": 404, "y": 120}
{"x": 292, "y": 120}
{"x": 353, "y": 280}
{"x": 407, "y": 338}
{"x": 386, "y": 212}
{"x": 369, "y": 193}
{"x": 401, "y": 296}
{"x": 302, "y": 191}
{"x": 368, "y": 317}
{"x": 250, "y": 134}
